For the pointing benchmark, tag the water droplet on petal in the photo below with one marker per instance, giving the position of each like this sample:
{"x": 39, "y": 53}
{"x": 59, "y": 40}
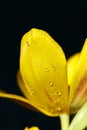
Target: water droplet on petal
{"x": 57, "y": 101}
{"x": 47, "y": 70}
{"x": 28, "y": 43}
{"x": 59, "y": 109}
{"x": 51, "y": 84}
{"x": 31, "y": 93}
{"x": 54, "y": 67}
{"x": 59, "y": 94}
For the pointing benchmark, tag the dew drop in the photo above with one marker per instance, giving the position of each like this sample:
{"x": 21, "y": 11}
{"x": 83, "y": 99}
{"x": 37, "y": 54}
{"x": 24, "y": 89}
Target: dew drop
{"x": 47, "y": 70}
{"x": 59, "y": 94}
{"x": 31, "y": 93}
{"x": 28, "y": 43}
{"x": 51, "y": 84}
{"x": 57, "y": 101}
{"x": 59, "y": 109}
{"x": 54, "y": 67}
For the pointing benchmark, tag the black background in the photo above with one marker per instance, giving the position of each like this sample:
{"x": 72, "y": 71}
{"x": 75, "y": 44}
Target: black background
{"x": 66, "y": 21}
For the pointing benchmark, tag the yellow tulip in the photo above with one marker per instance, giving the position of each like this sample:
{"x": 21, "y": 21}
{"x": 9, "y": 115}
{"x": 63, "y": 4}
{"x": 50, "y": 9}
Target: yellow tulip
{"x": 50, "y": 84}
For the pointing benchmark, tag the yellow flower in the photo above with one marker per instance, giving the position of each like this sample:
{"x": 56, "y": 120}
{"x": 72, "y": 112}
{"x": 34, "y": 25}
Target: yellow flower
{"x": 50, "y": 84}
{"x": 32, "y": 128}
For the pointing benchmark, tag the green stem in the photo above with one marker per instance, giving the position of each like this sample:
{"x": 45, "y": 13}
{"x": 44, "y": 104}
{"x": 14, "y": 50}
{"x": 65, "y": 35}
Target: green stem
{"x": 64, "y": 119}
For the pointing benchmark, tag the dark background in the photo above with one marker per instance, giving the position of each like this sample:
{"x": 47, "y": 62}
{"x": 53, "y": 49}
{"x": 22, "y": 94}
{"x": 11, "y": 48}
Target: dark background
{"x": 66, "y": 21}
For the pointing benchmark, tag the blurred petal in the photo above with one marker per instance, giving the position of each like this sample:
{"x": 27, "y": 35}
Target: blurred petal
{"x": 43, "y": 70}
{"x": 78, "y": 83}
{"x": 71, "y": 64}
{"x": 32, "y": 128}
{"x": 80, "y": 120}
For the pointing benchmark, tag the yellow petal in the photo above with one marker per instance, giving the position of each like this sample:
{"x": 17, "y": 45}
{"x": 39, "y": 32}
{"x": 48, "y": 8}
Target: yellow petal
{"x": 25, "y": 92}
{"x": 78, "y": 83}
{"x": 71, "y": 64}
{"x": 32, "y": 128}
{"x": 18, "y": 99}
{"x": 21, "y": 84}
{"x": 43, "y": 70}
